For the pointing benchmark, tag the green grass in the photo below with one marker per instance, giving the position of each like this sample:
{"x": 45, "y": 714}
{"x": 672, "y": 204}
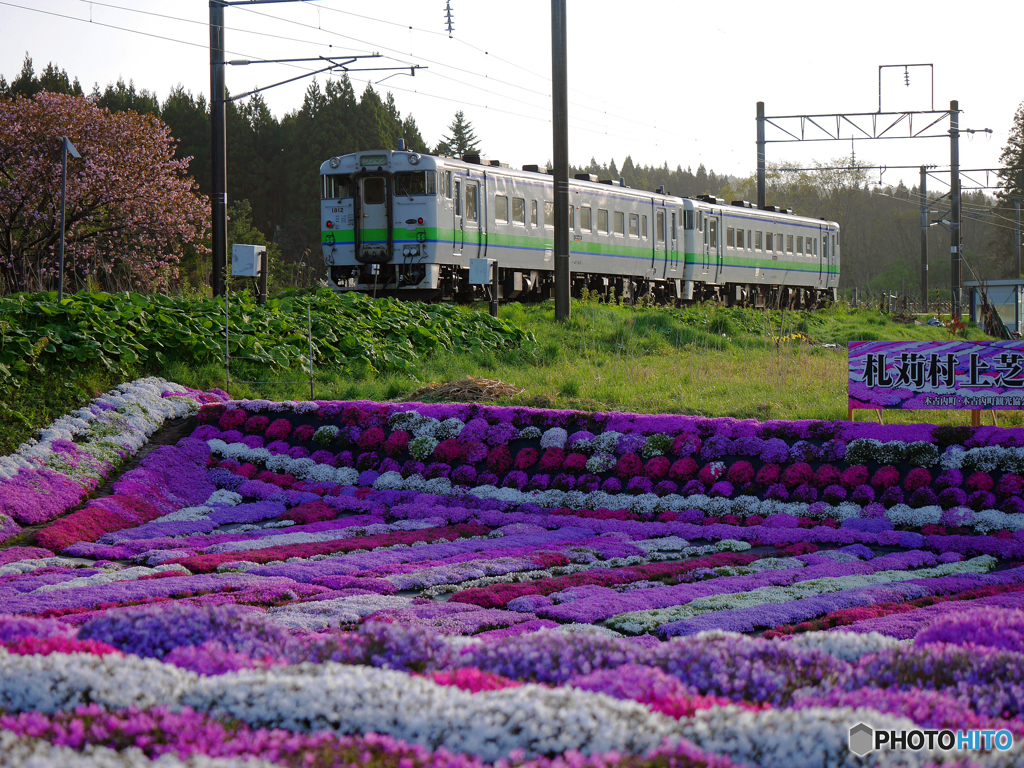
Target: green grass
{"x": 704, "y": 360}
{"x": 38, "y": 399}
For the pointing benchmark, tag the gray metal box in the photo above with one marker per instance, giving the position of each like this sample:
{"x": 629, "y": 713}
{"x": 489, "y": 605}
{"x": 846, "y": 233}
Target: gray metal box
{"x": 246, "y": 260}
{"x": 480, "y": 271}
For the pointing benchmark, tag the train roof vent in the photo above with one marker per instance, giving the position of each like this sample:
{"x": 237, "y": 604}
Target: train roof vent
{"x": 661, "y": 190}
{"x": 498, "y": 164}
{"x": 711, "y": 199}
{"x": 789, "y": 211}
{"x": 741, "y": 203}
{"x": 771, "y": 208}
{"x": 475, "y": 158}
{"x": 609, "y": 182}
{"x": 585, "y": 177}
{"x": 534, "y": 168}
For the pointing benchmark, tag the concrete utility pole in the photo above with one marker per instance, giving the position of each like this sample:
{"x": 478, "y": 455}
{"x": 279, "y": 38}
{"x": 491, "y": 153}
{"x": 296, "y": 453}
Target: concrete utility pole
{"x": 218, "y": 155}
{"x": 1016, "y": 204}
{"x": 924, "y": 236}
{"x": 954, "y": 199}
{"x": 761, "y": 180}
{"x": 560, "y": 172}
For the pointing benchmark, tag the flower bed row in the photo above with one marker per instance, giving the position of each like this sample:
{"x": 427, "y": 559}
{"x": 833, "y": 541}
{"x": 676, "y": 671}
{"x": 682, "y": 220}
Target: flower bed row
{"x": 458, "y": 584}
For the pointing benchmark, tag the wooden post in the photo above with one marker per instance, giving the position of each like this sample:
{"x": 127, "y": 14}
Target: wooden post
{"x": 879, "y": 412}
{"x": 851, "y": 412}
{"x": 975, "y": 418}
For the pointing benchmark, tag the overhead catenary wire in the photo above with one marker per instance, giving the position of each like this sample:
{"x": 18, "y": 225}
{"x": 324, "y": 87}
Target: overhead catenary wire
{"x": 437, "y": 63}
{"x": 425, "y": 94}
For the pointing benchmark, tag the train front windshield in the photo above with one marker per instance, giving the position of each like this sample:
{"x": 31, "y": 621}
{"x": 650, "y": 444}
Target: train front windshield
{"x": 336, "y": 186}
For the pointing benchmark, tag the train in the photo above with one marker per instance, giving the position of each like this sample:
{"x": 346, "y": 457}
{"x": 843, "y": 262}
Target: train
{"x": 426, "y": 227}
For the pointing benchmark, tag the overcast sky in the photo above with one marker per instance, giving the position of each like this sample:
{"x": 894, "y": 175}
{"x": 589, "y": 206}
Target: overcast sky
{"x": 661, "y": 80}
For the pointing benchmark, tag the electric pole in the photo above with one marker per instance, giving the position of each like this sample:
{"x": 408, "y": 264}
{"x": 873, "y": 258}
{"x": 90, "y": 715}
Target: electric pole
{"x": 954, "y": 198}
{"x": 218, "y": 155}
{"x": 761, "y": 181}
{"x": 924, "y": 236}
{"x": 560, "y": 172}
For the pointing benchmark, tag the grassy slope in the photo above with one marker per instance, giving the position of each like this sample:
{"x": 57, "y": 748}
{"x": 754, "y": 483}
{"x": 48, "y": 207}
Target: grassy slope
{"x": 701, "y": 360}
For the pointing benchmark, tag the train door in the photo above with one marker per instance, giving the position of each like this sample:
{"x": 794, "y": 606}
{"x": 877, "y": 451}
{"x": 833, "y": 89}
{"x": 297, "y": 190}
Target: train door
{"x": 660, "y": 244}
{"x": 674, "y": 241}
{"x": 458, "y": 226}
{"x": 471, "y": 219}
{"x": 373, "y": 224}
{"x": 704, "y": 245}
{"x": 715, "y": 249}
{"x": 823, "y": 258}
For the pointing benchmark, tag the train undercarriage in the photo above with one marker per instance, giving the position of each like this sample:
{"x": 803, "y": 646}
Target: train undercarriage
{"x": 410, "y": 282}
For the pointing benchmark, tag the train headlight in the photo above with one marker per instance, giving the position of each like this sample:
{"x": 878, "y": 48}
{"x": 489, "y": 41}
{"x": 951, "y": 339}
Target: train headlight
{"x": 330, "y": 224}
{"x": 334, "y": 162}
{"x": 419, "y": 220}
{"x": 414, "y": 159}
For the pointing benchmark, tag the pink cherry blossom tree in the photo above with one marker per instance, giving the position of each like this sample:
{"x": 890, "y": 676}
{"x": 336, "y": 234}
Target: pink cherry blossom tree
{"x": 132, "y": 210}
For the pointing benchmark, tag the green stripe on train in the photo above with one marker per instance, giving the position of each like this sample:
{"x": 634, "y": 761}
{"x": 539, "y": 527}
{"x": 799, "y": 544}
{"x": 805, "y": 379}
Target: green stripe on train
{"x": 431, "y": 235}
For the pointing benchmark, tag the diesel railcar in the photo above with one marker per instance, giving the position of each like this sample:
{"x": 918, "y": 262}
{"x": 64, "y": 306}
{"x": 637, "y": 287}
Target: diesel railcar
{"x": 406, "y": 224}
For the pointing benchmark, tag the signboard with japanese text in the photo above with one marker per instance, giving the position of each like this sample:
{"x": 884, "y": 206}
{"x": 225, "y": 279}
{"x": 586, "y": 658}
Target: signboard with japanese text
{"x": 969, "y": 375}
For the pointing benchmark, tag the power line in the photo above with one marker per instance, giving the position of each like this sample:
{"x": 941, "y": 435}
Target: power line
{"x": 204, "y": 46}
{"x": 205, "y": 24}
{"x": 448, "y": 66}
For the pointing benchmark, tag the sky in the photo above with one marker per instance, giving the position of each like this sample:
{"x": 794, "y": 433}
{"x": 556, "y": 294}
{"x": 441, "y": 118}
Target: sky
{"x": 661, "y": 80}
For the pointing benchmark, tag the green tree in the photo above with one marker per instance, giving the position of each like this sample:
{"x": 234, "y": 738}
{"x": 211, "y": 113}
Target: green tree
{"x": 119, "y": 97}
{"x": 1012, "y": 159}
{"x": 461, "y": 138}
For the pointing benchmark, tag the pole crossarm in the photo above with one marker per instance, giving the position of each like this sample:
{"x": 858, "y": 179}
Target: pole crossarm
{"x": 863, "y": 125}
{"x": 333, "y": 66}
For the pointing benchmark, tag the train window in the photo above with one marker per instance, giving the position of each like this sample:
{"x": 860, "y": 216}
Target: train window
{"x": 643, "y": 227}
{"x": 700, "y": 220}
{"x": 471, "y": 202}
{"x": 750, "y": 239}
{"x": 768, "y": 244}
{"x": 572, "y": 218}
{"x": 585, "y": 218}
{"x": 336, "y": 185}
{"x": 835, "y": 241}
{"x": 730, "y": 237}
{"x": 799, "y": 245}
{"x": 415, "y": 183}
{"x": 533, "y": 212}
{"x": 714, "y": 233}
{"x": 602, "y": 221}
{"x": 549, "y": 213}
{"x": 688, "y": 219}
{"x": 446, "y": 183}
{"x": 501, "y": 208}
{"x": 815, "y": 246}
{"x": 674, "y": 234}
{"x": 374, "y": 191}
{"x": 457, "y": 195}
{"x": 789, "y": 243}
{"x": 758, "y": 241}
{"x": 659, "y": 226}
{"x": 519, "y": 211}
{"x": 824, "y": 246}
{"x": 620, "y": 223}
{"x": 634, "y": 225}
{"x": 739, "y": 239}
